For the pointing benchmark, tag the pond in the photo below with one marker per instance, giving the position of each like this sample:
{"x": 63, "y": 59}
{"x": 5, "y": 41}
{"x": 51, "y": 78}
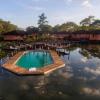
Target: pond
{"x": 78, "y": 80}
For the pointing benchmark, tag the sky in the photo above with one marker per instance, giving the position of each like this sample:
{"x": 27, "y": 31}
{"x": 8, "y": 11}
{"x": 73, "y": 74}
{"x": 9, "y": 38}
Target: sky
{"x": 25, "y": 12}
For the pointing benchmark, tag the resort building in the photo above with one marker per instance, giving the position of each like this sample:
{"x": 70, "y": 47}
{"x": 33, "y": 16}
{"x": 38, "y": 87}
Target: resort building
{"x": 78, "y": 36}
{"x": 14, "y": 36}
{"x": 71, "y": 36}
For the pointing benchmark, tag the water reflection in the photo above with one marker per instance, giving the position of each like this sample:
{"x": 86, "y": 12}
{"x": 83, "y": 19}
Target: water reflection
{"x": 79, "y": 79}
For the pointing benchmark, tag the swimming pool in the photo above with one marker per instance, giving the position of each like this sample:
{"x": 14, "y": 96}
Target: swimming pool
{"x": 34, "y": 59}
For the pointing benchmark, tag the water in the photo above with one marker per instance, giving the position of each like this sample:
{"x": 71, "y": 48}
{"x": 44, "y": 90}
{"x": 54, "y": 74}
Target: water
{"x": 35, "y": 59}
{"x": 78, "y": 80}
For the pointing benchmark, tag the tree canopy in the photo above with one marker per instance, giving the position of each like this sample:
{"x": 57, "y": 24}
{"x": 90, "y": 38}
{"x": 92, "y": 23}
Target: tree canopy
{"x": 32, "y": 29}
{"x": 65, "y": 27}
{"x": 96, "y": 24}
{"x": 69, "y": 26}
{"x": 6, "y": 26}
{"x": 87, "y": 21}
{"x": 90, "y": 23}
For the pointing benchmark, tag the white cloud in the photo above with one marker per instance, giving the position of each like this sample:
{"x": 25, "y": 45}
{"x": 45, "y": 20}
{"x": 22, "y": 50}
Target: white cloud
{"x": 87, "y": 3}
{"x": 66, "y": 73}
{"x": 84, "y": 59}
{"x": 69, "y": 0}
{"x": 91, "y": 91}
{"x": 93, "y": 71}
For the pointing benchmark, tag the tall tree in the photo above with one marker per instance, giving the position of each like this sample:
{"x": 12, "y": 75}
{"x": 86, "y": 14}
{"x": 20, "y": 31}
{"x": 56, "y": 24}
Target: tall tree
{"x": 42, "y": 22}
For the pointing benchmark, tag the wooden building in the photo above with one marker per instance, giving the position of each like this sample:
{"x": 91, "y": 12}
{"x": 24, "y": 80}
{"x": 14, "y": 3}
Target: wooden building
{"x": 78, "y": 35}
{"x": 14, "y": 36}
{"x": 71, "y": 36}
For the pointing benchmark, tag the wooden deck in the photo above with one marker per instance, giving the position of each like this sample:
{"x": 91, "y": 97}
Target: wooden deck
{"x": 10, "y": 65}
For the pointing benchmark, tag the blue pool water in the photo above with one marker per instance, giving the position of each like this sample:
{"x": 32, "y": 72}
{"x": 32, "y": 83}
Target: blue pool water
{"x": 35, "y": 59}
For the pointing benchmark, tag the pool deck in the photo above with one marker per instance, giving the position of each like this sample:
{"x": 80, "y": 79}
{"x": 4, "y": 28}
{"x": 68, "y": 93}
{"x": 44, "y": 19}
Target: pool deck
{"x": 10, "y": 65}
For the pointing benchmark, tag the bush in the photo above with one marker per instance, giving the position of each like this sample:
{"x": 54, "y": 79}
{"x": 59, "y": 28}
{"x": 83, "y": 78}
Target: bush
{"x": 2, "y": 54}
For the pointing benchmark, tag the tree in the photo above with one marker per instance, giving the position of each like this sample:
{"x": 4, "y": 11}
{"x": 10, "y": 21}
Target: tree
{"x": 87, "y": 21}
{"x": 47, "y": 29}
{"x": 96, "y": 24}
{"x": 32, "y": 29}
{"x": 55, "y": 29}
{"x": 42, "y": 22}
{"x": 6, "y": 26}
{"x": 69, "y": 26}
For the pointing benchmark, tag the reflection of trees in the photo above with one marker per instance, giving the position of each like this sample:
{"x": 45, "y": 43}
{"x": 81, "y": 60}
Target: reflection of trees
{"x": 93, "y": 50}
{"x": 85, "y": 53}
